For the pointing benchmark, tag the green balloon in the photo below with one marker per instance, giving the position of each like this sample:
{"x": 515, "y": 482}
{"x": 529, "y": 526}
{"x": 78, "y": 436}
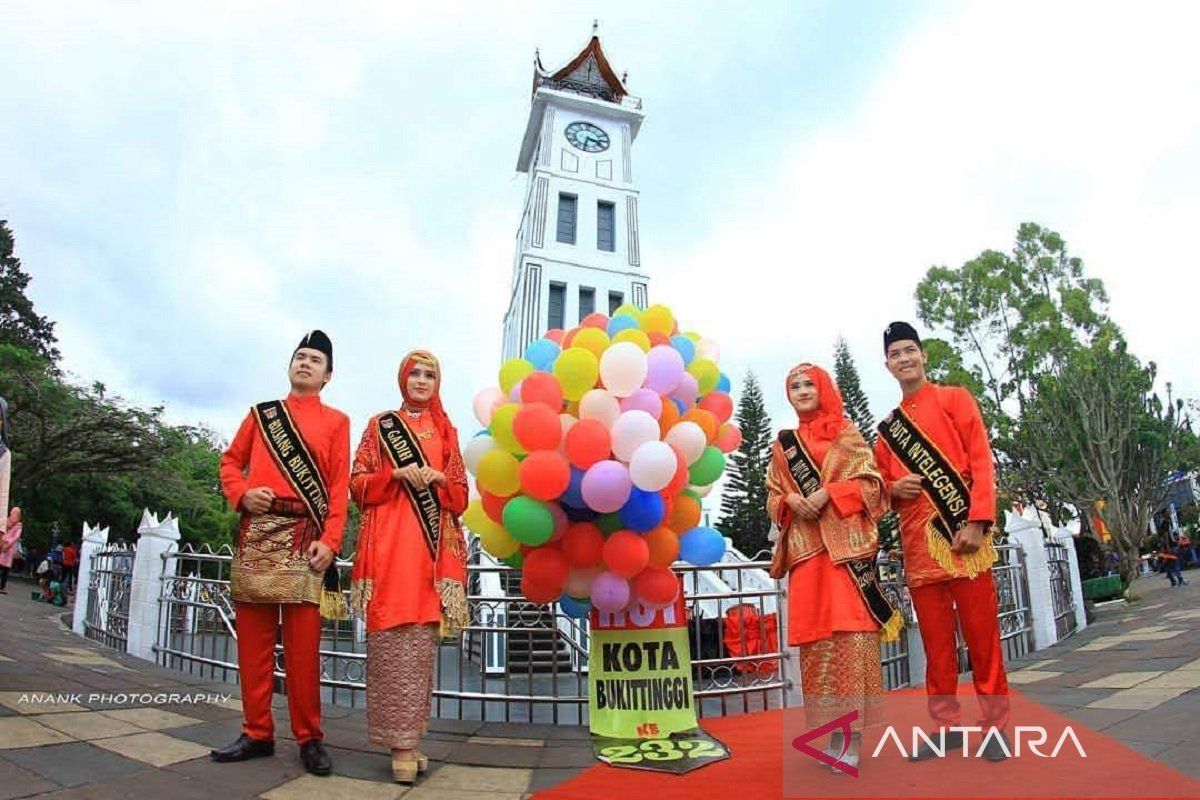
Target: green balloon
{"x": 609, "y": 523}
{"x": 516, "y": 560}
{"x": 707, "y": 468}
{"x": 529, "y": 521}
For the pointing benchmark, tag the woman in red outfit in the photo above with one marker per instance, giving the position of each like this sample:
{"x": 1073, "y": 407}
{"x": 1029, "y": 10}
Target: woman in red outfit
{"x": 825, "y": 494}
{"x": 408, "y": 479}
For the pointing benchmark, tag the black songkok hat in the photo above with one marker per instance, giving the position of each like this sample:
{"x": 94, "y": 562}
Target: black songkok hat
{"x": 317, "y": 340}
{"x": 899, "y": 332}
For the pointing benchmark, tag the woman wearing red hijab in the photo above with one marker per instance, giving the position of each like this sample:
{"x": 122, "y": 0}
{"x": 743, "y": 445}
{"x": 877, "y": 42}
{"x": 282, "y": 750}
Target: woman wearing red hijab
{"x": 825, "y": 494}
{"x": 408, "y": 479}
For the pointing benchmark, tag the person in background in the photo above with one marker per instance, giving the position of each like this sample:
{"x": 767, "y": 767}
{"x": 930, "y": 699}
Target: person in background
{"x": 70, "y": 567}
{"x": 10, "y": 543}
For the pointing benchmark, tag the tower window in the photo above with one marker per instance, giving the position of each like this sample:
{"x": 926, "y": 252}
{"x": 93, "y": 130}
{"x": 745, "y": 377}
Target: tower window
{"x": 557, "y": 304}
{"x": 605, "y": 221}
{"x": 615, "y": 299}
{"x": 566, "y": 218}
{"x": 587, "y": 301}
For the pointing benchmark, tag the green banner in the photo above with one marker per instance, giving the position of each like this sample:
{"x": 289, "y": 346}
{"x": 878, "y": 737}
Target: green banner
{"x": 679, "y": 753}
{"x": 640, "y": 674}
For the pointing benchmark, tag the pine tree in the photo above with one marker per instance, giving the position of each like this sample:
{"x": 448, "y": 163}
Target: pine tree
{"x": 20, "y": 325}
{"x": 744, "y": 502}
{"x": 845, "y": 373}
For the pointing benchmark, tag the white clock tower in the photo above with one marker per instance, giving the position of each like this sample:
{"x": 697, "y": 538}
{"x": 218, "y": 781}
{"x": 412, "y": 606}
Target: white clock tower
{"x": 577, "y": 247}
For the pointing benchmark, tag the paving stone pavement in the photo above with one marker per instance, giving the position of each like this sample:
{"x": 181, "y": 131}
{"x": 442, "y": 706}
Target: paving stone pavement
{"x": 1133, "y": 674}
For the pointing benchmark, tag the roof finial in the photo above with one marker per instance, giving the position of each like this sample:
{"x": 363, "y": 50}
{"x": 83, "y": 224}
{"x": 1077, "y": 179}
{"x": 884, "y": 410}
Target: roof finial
{"x": 625, "y": 77}
{"x": 595, "y": 27}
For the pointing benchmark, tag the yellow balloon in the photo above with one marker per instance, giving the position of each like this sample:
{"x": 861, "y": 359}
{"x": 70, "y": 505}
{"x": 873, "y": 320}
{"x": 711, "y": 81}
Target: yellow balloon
{"x": 630, "y": 309}
{"x": 513, "y": 372}
{"x": 657, "y": 319}
{"x": 592, "y": 339}
{"x": 636, "y": 336}
{"x": 577, "y": 369}
{"x": 502, "y": 428}
{"x": 476, "y": 518}
{"x": 706, "y": 374}
{"x": 499, "y": 542}
{"x": 695, "y": 337}
{"x": 499, "y": 473}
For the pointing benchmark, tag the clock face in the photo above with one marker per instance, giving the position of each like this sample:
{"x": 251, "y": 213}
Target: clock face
{"x": 587, "y": 137}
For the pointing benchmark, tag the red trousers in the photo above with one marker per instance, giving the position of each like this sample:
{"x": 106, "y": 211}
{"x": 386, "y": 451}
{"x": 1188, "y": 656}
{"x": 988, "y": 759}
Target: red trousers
{"x": 257, "y": 624}
{"x": 976, "y": 603}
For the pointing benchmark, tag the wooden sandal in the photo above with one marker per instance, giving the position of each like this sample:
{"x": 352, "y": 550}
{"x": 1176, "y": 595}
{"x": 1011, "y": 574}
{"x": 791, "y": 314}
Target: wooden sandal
{"x": 422, "y": 761}
{"x": 404, "y": 771}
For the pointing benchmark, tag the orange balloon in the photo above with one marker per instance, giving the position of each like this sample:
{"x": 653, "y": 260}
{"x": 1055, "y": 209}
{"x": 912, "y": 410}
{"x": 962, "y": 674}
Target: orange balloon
{"x": 664, "y": 546}
{"x": 669, "y": 416}
{"x": 706, "y": 420}
{"x": 595, "y": 320}
{"x": 685, "y": 515}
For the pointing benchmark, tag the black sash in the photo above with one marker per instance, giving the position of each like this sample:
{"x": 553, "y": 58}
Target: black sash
{"x": 291, "y": 455}
{"x": 403, "y": 449}
{"x": 940, "y": 481}
{"x": 865, "y": 574}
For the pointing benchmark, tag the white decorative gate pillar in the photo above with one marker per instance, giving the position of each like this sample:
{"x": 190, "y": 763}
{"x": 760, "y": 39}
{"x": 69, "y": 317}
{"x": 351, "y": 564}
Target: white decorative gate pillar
{"x": 155, "y": 539}
{"x": 94, "y": 540}
{"x": 1063, "y": 536}
{"x": 1028, "y": 533}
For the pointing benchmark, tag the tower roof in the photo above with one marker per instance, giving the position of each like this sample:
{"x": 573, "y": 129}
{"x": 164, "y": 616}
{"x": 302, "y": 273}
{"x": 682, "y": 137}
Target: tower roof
{"x": 588, "y": 73}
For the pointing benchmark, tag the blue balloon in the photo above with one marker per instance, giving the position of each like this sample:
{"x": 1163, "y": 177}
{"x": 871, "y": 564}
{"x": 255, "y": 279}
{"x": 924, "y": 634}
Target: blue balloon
{"x": 621, "y": 322}
{"x": 643, "y": 511}
{"x": 579, "y": 514}
{"x": 723, "y": 384}
{"x": 573, "y": 496}
{"x": 702, "y": 546}
{"x": 574, "y": 608}
{"x": 678, "y": 404}
{"x": 684, "y": 346}
{"x": 542, "y": 354}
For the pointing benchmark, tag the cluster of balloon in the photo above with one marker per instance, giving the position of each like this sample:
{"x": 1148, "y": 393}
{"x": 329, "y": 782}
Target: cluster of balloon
{"x": 599, "y": 445}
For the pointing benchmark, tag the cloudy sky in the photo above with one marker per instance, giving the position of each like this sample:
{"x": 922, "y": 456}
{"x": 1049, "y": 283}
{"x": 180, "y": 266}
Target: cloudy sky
{"x": 194, "y": 186}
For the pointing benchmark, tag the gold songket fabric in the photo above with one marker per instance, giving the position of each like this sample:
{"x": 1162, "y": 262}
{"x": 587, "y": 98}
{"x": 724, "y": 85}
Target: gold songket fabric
{"x": 269, "y": 563}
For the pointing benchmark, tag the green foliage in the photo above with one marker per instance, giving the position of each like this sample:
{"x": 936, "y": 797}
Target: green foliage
{"x": 845, "y": 375}
{"x": 744, "y": 502}
{"x": 20, "y": 326}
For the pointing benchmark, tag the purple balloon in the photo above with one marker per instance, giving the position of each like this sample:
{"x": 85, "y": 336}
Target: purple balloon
{"x": 664, "y": 369}
{"x": 515, "y": 394}
{"x": 686, "y": 391}
{"x": 646, "y": 400}
{"x": 606, "y": 486}
{"x": 609, "y": 592}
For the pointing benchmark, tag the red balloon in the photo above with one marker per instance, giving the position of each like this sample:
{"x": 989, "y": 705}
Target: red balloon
{"x": 583, "y": 545}
{"x": 555, "y": 335}
{"x": 544, "y": 475}
{"x": 595, "y": 320}
{"x": 730, "y": 438}
{"x": 545, "y": 567}
{"x": 542, "y": 387}
{"x": 493, "y": 505}
{"x": 626, "y": 554}
{"x": 537, "y": 427}
{"x": 655, "y": 586}
{"x": 680, "y": 480}
{"x": 657, "y": 338}
{"x": 536, "y": 592}
{"x": 569, "y": 337}
{"x": 719, "y": 404}
{"x": 588, "y": 442}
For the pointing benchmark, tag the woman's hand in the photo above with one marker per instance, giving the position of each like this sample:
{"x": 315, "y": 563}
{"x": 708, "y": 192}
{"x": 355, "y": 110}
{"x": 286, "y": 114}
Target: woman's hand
{"x": 802, "y": 506}
{"x": 412, "y": 475}
{"x": 433, "y": 477}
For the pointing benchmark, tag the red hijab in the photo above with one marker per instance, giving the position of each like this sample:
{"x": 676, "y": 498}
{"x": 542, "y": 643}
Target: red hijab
{"x": 827, "y": 421}
{"x": 437, "y": 413}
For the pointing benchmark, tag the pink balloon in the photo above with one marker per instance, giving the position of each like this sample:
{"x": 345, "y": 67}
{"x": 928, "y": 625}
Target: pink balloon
{"x": 610, "y": 592}
{"x": 646, "y": 400}
{"x": 514, "y": 394}
{"x": 606, "y": 486}
{"x": 560, "y": 521}
{"x": 485, "y": 403}
{"x": 664, "y": 369}
{"x": 686, "y": 391}
{"x": 729, "y": 438}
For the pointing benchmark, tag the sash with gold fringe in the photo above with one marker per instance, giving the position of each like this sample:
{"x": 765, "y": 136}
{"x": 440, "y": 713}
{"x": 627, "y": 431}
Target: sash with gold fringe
{"x": 403, "y": 449}
{"x": 864, "y": 571}
{"x": 945, "y": 488}
{"x": 291, "y": 454}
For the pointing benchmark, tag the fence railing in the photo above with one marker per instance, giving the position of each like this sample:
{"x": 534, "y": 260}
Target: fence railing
{"x": 108, "y": 592}
{"x": 1060, "y": 589}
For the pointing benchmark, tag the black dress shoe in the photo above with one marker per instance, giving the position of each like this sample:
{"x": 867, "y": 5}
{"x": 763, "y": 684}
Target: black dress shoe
{"x": 244, "y": 748}
{"x": 315, "y": 758}
{"x": 994, "y": 750}
{"x": 953, "y": 741}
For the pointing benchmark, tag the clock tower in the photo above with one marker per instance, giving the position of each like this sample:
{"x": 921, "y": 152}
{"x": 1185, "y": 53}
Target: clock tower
{"x": 577, "y": 248}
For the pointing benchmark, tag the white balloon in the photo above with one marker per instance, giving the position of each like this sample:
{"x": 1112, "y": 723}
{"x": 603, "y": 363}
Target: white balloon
{"x": 702, "y": 491}
{"x": 653, "y": 466}
{"x": 707, "y": 348}
{"x": 631, "y": 430}
{"x": 599, "y": 404}
{"x": 485, "y": 403}
{"x": 475, "y": 450}
{"x": 623, "y": 368}
{"x": 689, "y": 438}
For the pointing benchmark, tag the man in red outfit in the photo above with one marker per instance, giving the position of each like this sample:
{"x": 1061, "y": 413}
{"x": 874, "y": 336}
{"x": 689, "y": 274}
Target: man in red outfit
{"x": 935, "y": 458}
{"x": 287, "y": 472}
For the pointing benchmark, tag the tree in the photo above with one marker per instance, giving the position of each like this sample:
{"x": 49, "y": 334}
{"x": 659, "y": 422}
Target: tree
{"x": 1095, "y": 429}
{"x": 744, "y": 502}
{"x": 845, "y": 374}
{"x": 20, "y": 325}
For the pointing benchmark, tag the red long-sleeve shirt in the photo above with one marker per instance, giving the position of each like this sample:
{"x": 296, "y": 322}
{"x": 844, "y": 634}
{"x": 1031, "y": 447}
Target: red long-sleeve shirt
{"x": 248, "y": 464}
{"x": 949, "y": 416}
